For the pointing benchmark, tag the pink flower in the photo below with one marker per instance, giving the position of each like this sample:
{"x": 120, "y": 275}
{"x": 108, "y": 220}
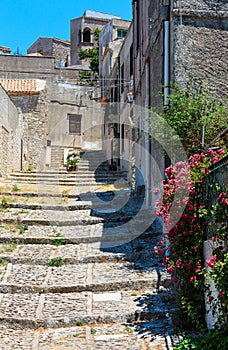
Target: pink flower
{"x": 170, "y": 269}
{"x": 221, "y": 151}
{"x": 210, "y": 299}
{"x": 169, "y": 171}
{"x": 156, "y": 191}
{"x": 224, "y": 202}
{"x": 193, "y": 279}
{"x": 214, "y": 239}
{"x": 179, "y": 263}
{"x": 211, "y": 262}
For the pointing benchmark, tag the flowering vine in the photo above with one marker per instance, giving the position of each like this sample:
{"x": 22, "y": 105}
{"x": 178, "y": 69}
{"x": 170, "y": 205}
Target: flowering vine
{"x": 182, "y": 244}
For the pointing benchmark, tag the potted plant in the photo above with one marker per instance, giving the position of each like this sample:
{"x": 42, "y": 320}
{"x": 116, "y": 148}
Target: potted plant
{"x": 72, "y": 161}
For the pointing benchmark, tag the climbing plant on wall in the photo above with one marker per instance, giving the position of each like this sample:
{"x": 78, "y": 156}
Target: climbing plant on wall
{"x": 92, "y": 54}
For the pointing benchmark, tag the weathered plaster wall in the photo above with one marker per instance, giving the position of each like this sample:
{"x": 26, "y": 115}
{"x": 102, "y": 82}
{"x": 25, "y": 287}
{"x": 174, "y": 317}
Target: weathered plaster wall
{"x": 65, "y": 99}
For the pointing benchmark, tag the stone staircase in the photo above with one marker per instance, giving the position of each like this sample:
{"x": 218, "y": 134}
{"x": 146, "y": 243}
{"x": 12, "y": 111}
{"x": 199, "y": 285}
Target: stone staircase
{"x": 92, "y": 170}
{"x": 57, "y": 157}
{"x": 74, "y": 276}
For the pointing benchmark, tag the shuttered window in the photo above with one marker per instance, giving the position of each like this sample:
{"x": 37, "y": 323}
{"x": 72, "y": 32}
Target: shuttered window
{"x": 74, "y": 123}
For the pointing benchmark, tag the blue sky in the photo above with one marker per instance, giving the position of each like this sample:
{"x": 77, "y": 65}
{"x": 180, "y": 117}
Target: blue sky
{"x": 24, "y": 21}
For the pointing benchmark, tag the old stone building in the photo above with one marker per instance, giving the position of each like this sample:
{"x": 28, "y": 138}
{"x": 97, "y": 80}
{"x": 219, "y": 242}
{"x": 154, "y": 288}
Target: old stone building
{"x": 10, "y": 135}
{"x": 29, "y": 98}
{"x": 58, "y": 116}
{"x": 175, "y": 41}
{"x": 5, "y": 50}
{"x": 81, "y": 32}
{"x": 52, "y": 47}
{"x": 117, "y": 83}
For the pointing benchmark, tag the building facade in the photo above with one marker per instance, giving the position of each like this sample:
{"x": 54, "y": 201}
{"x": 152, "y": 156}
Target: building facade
{"x": 52, "y": 47}
{"x": 111, "y": 40}
{"x": 81, "y": 32}
{"x": 174, "y": 41}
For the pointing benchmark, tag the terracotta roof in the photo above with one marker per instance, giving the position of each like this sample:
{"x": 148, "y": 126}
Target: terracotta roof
{"x": 22, "y": 86}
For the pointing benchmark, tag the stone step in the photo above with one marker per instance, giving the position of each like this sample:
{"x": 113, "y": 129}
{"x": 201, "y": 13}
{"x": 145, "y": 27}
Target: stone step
{"x": 118, "y": 336}
{"x": 68, "y": 175}
{"x": 80, "y": 205}
{"x": 58, "y": 218}
{"x": 31, "y": 194}
{"x": 60, "y": 182}
{"x": 55, "y": 310}
{"x": 19, "y": 249}
{"x": 68, "y": 278}
{"x": 33, "y": 234}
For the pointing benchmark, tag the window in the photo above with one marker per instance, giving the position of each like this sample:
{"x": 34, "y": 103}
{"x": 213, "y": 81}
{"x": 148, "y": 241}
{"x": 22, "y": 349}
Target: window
{"x": 122, "y": 136}
{"x": 74, "y": 123}
{"x": 131, "y": 60}
{"x": 121, "y": 33}
{"x": 122, "y": 78}
{"x": 87, "y": 35}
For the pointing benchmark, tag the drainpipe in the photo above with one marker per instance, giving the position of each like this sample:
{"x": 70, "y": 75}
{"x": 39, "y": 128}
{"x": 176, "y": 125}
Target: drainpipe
{"x": 166, "y": 62}
{"x": 118, "y": 108}
{"x": 165, "y": 17}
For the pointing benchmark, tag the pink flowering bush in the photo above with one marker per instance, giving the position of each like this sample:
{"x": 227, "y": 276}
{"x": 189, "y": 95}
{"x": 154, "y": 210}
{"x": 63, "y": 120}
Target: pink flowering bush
{"x": 185, "y": 214}
{"x": 218, "y": 262}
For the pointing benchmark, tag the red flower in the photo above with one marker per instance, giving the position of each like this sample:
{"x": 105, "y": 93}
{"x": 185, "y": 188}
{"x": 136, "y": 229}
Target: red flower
{"x": 224, "y": 202}
{"x": 210, "y": 299}
{"x": 221, "y": 294}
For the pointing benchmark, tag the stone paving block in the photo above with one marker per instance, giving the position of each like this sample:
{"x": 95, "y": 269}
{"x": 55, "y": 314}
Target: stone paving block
{"x": 16, "y": 339}
{"x": 65, "y": 305}
{"x": 3, "y": 266}
{"x": 23, "y": 274}
{"x": 70, "y": 275}
{"x": 19, "y": 306}
{"x": 63, "y": 338}
{"x": 40, "y": 253}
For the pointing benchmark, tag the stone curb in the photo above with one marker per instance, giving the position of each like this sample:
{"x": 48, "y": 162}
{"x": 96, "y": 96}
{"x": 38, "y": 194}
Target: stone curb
{"x": 32, "y": 323}
{"x": 139, "y": 284}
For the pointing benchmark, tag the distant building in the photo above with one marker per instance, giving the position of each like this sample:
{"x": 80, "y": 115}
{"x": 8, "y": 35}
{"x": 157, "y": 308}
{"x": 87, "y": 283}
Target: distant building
{"x": 110, "y": 43}
{"x": 52, "y": 47}
{"x": 82, "y": 29}
{"x": 5, "y": 50}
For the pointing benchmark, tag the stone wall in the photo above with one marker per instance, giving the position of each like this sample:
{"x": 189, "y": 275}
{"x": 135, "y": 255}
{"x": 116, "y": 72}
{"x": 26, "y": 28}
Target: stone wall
{"x": 10, "y": 136}
{"x": 26, "y": 67}
{"x": 27, "y": 103}
{"x": 199, "y": 40}
{"x": 202, "y": 5}
{"x": 35, "y": 125}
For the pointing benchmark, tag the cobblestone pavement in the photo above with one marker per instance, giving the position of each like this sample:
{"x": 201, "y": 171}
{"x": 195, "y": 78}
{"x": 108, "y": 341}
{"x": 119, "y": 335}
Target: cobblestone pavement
{"x": 62, "y": 288}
